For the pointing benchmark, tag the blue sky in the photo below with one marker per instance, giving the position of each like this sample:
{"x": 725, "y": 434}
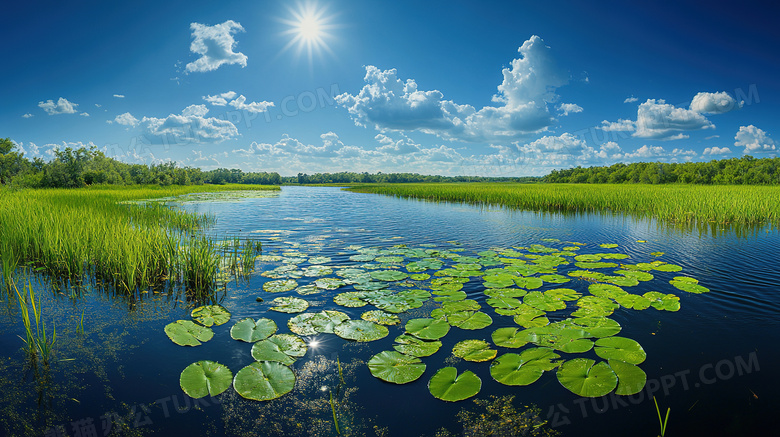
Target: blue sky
{"x": 502, "y": 88}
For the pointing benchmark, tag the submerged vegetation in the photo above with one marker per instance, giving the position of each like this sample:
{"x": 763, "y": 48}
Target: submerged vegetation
{"x": 101, "y": 232}
{"x": 687, "y": 204}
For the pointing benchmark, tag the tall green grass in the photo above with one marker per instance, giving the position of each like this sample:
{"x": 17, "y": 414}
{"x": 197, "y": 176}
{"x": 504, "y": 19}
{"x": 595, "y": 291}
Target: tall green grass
{"x": 73, "y": 233}
{"x": 39, "y": 343}
{"x": 688, "y": 204}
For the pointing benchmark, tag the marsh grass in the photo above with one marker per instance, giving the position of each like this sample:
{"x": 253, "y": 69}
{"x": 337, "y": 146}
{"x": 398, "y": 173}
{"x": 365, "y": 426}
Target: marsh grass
{"x": 38, "y": 342}
{"x": 662, "y": 423}
{"x": 101, "y": 231}
{"x": 701, "y": 205}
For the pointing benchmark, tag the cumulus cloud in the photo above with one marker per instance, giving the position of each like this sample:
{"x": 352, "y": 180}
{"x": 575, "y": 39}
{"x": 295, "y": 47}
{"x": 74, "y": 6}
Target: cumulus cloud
{"x": 191, "y": 126}
{"x": 28, "y": 115}
{"x": 618, "y": 126}
{"x": 529, "y": 84}
{"x": 646, "y": 152}
{"x": 716, "y": 151}
{"x": 220, "y": 99}
{"x": 714, "y": 103}
{"x": 754, "y": 140}
{"x": 568, "y": 108}
{"x": 660, "y": 120}
{"x": 63, "y": 106}
{"x": 215, "y": 44}
{"x": 125, "y": 119}
{"x": 254, "y": 107}
{"x": 84, "y": 114}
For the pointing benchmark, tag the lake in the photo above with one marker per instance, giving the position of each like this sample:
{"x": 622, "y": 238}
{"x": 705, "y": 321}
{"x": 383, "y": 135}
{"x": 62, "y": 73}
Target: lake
{"x": 711, "y": 362}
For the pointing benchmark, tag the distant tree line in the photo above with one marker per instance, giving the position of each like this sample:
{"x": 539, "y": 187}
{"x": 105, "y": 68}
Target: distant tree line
{"x": 73, "y": 168}
{"x": 746, "y": 170}
{"x": 392, "y": 178}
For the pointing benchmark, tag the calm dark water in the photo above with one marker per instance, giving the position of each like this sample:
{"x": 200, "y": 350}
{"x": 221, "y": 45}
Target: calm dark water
{"x": 713, "y": 362}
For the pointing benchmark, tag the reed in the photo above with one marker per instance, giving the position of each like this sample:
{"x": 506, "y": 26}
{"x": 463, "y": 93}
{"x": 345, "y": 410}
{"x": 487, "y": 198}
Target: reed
{"x": 103, "y": 231}
{"x": 662, "y": 423}
{"x": 688, "y": 204}
{"x": 38, "y": 342}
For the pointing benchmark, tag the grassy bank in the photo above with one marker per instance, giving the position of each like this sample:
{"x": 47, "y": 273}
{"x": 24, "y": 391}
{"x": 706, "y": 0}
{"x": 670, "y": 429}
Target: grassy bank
{"x": 691, "y": 204}
{"x": 72, "y": 232}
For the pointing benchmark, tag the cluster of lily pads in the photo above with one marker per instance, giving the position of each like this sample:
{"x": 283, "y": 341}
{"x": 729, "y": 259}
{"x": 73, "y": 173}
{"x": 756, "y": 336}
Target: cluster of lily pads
{"x": 521, "y": 283}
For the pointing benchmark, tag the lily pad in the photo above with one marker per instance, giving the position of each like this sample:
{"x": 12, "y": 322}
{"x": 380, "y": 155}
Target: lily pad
{"x": 543, "y": 302}
{"x": 427, "y": 329}
{"x": 289, "y": 304}
{"x": 329, "y": 283}
{"x": 211, "y": 315}
{"x": 620, "y": 348}
{"x": 665, "y": 302}
{"x": 280, "y": 285}
{"x": 448, "y": 386}
{"x": 415, "y": 347}
{"x": 583, "y": 378}
{"x": 381, "y": 317}
{"x": 688, "y": 284}
{"x": 525, "y": 368}
{"x": 350, "y": 299}
{"x": 319, "y": 260}
{"x": 596, "y": 326}
{"x": 250, "y": 331}
{"x": 633, "y": 301}
{"x": 388, "y": 275}
{"x": 188, "y": 333}
{"x": 631, "y": 379}
{"x": 419, "y": 277}
{"x": 395, "y": 367}
{"x": 471, "y": 320}
{"x": 205, "y": 378}
{"x": 284, "y": 348}
{"x": 305, "y": 290}
{"x": 360, "y": 330}
{"x": 608, "y": 245}
{"x": 474, "y": 350}
{"x": 263, "y": 381}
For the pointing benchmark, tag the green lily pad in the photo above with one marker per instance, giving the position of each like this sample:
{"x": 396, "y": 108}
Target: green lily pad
{"x": 305, "y": 290}
{"x": 371, "y": 286}
{"x": 427, "y": 329}
{"x": 631, "y": 379}
{"x": 608, "y": 245}
{"x": 665, "y": 302}
{"x": 211, "y": 315}
{"x": 250, "y": 331}
{"x": 554, "y": 279}
{"x": 448, "y": 386}
{"x": 620, "y": 348}
{"x": 350, "y": 299}
{"x": 503, "y": 302}
{"x": 415, "y": 347}
{"x": 563, "y": 294}
{"x": 633, "y": 301}
{"x": 525, "y": 368}
{"x": 280, "y": 285}
{"x": 543, "y": 302}
{"x": 509, "y": 337}
{"x": 606, "y": 290}
{"x": 474, "y": 350}
{"x": 583, "y": 378}
{"x": 329, "y": 283}
{"x": 380, "y": 317}
{"x": 362, "y": 257}
{"x": 638, "y": 275}
{"x": 595, "y": 265}
{"x": 289, "y": 304}
{"x": 423, "y": 265}
{"x": 419, "y": 277}
{"x": 395, "y": 367}
{"x": 664, "y": 267}
{"x": 529, "y": 283}
{"x": 319, "y": 260}
{"x": 360, "y": 330}
{"x": 499, "y": 293}
{"x": 263, "y": 381}
{"x": 471, "y": 320}
{"x": 284, "y": 348}
{"x": 205, "y": 378}
{"x": 188, "y": 333}
{"x": 596, "y": 326}
{"x": 389, "y": 275}
{"x": 690, "y": 285}
{"x": 588, "y": 258}
{"x": 315, "y": 271}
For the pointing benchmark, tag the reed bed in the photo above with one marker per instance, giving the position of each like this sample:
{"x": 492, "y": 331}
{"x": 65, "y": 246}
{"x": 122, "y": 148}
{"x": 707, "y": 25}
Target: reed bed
{"x": 686, "y": 204}
{"x": 70, "y": 233}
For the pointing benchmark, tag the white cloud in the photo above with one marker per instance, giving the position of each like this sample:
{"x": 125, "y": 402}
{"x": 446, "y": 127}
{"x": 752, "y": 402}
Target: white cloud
{"x": 28, "y": 115}
{"x": 646, "y": 152}
{"x": 390, "y": 104}
{"x": 618, "y": 126}
{"x": 119, "y": 96}
{"x": 660, "y": 120}
{"x": 254, "y": 107}
{"x": 220, "y": 99}
{"x": 191, "y": 127}
{"x": 717, "y": 151}
{"x": 30, "y": 150}
{"x": 714, "y": 103}
{"x": 97, "y": 105}
{"x": 754, "y": 140}
{"x": 63, "y": 106}
{"x": 630, "y": 99}
{"x": 568, "y": 108}
{"x": 215, "y": 44}
{"x": 125, "y": 119}
{"x": 84, "y": 114}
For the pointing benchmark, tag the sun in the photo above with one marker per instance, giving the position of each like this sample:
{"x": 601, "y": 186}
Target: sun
{"x": 309, "y": 26}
